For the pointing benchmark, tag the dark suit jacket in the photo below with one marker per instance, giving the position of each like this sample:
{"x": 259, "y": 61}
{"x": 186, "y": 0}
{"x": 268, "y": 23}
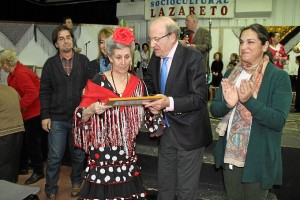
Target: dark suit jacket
{"x": 202, "y": 40}
{"x": 186, "y": 83}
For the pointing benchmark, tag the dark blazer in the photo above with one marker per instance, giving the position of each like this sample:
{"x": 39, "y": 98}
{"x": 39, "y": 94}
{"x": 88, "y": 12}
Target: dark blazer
{"x": 186, "y": 83}
{"x": 202, "y": 40}
{"x": 60, "y": 93}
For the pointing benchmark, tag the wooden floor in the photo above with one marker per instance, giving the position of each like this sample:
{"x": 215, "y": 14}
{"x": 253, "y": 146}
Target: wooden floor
{"x": 64, "y": 183}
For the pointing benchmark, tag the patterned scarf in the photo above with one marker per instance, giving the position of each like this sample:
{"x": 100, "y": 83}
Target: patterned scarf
{"x": 105, "y": 65}
{"x": 238, "y": 139}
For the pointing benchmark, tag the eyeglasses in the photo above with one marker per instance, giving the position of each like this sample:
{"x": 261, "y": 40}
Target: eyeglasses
{"x": 156, "y": 39}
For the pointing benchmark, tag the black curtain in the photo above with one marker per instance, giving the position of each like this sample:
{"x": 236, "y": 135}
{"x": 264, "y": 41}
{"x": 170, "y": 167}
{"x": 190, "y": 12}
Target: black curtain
{"x": 99, "y": 12}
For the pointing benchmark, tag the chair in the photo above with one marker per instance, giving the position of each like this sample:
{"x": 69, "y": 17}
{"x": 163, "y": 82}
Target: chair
{"x": 9, "y": 190}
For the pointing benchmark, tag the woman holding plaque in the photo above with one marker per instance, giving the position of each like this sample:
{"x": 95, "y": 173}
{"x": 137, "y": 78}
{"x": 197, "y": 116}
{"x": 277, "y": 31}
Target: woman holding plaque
{"x": 108, "y": 134}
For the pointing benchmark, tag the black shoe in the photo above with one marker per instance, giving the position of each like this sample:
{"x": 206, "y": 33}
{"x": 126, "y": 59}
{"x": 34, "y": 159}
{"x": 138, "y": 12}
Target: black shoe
{"x": 34, "y": 178}
{"x": 23, "y": 171}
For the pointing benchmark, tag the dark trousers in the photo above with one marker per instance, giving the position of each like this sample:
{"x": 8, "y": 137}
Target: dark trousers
{"x": 178, "y": 169}
{"x": 31, "y": 148}
{"x": 236, "y": 190}
{"x": 10, "y": 149}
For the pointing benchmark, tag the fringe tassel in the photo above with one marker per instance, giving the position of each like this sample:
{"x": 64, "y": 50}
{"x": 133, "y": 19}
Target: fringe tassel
{"x": 111, "y": 128}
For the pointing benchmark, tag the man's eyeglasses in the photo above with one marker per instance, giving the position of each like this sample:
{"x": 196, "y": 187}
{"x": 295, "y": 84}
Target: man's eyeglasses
{"x": 156, "y": 39}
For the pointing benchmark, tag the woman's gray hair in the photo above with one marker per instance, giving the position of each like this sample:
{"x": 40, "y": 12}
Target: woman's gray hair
{"x": 9, "y": 57}
{"x": 111, "y": 45}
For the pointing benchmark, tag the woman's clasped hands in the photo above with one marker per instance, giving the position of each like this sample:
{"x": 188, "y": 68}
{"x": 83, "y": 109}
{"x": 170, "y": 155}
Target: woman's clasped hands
{"x": 232, "y": 94}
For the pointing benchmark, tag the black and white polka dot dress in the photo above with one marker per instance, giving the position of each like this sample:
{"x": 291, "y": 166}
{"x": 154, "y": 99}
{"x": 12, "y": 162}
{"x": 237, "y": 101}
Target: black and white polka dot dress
{"x": 111, "y": 174}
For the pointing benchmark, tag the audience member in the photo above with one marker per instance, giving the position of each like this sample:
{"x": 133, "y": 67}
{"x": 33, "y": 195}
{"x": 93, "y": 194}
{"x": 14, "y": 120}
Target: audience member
{"x": 184, "y": 105}
{"x": 253, "y": 109}
{"x": 67, "y": 21}
{"x": 137, "y": 58}
{"x": 63, "y": 79}
{"x": 27, "y": 84}
{"x": 297, "y": 101}
{"x": 216, "y": 70}
{"x": 145, "y": 54}
{"x": 101, "y": 64}
{"x": 11, "y": 133}
{"x": 296, "y": 48}
{"x": 277, "y": 49}
{"x": 234, "y": 59}
{"x": 200, "y": 39}
{"x": 108, "y": 134}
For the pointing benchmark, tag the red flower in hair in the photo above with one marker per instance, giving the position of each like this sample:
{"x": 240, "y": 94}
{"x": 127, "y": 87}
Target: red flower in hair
{"x": 123, "y": 35}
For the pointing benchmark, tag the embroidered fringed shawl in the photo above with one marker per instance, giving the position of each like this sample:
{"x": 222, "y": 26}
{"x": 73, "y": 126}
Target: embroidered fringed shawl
{"x": 117, "y": 126}
{"x": 238, "y": 139}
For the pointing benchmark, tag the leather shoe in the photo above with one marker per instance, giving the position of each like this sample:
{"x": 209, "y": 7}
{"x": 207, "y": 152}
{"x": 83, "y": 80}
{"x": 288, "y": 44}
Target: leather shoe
{"x": 34, "y": 178}
{"x": 51, "y": 196}
{"x": 75, "y": 190}
{"x": 23, "y": 171}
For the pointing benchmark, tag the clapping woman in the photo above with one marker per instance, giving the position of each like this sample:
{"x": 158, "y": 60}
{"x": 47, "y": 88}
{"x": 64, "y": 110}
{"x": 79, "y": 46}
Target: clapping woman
{"x": 253, "y": 101}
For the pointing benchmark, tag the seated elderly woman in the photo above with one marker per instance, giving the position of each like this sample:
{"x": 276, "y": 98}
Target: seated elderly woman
{"x": 254, "y": 101}
{"x": 108, "y": 134}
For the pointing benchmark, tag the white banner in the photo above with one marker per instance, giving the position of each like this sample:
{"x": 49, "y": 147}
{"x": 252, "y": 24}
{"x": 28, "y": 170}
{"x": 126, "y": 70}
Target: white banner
{"x": 182, "y": 8}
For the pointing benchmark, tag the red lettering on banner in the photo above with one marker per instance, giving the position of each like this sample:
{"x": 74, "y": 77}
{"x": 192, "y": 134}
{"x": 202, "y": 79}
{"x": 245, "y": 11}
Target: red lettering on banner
{"x": 172, "y": 13}
{"x": 152, "y": 13}
{"x": 202, "y": 10}
{"x": 224, "y": 10}
{"x": 192, "y": 10}
{"x": 161, "y": 12}
{"x": 181, "y": 11}
{"x": 213, "y": 9}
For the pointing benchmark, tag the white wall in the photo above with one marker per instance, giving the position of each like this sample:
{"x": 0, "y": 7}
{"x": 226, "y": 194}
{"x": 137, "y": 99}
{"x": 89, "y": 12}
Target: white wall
{"x": 34, "y": 54}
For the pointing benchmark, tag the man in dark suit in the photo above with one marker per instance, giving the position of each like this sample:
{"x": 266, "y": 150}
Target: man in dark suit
{"x": 184, "y": 105}
{"x": 200, "y": 38}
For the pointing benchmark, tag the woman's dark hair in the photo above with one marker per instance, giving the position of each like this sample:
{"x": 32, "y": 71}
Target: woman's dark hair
{"x": 220, "y": 55}
{"x": 139, "y": 48}
{"x": 262, "y": 32}
{"x": 63, "y": 21}
{"x": 145, "y": 44}
{"x": 270, "y": 55}
{"x": 57, "y": 30}
{"x": 272, "y": 34}
{"x": 298, "y": 59}
{"x": 235, "y": 56}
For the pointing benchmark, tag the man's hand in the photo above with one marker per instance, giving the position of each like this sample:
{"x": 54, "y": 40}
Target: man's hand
{"x": 46, "y": 124}
{"x": 155, "y": 107}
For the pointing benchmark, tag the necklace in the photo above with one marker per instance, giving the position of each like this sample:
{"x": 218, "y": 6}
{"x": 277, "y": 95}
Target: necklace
{"x": 115, "y": 88}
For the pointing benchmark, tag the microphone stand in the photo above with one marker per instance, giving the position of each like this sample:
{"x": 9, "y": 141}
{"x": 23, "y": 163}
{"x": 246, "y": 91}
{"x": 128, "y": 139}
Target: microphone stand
{"x": 208, "y": 67}
{"x": 86, "y": 47}
{"x": 209, "y": 30}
